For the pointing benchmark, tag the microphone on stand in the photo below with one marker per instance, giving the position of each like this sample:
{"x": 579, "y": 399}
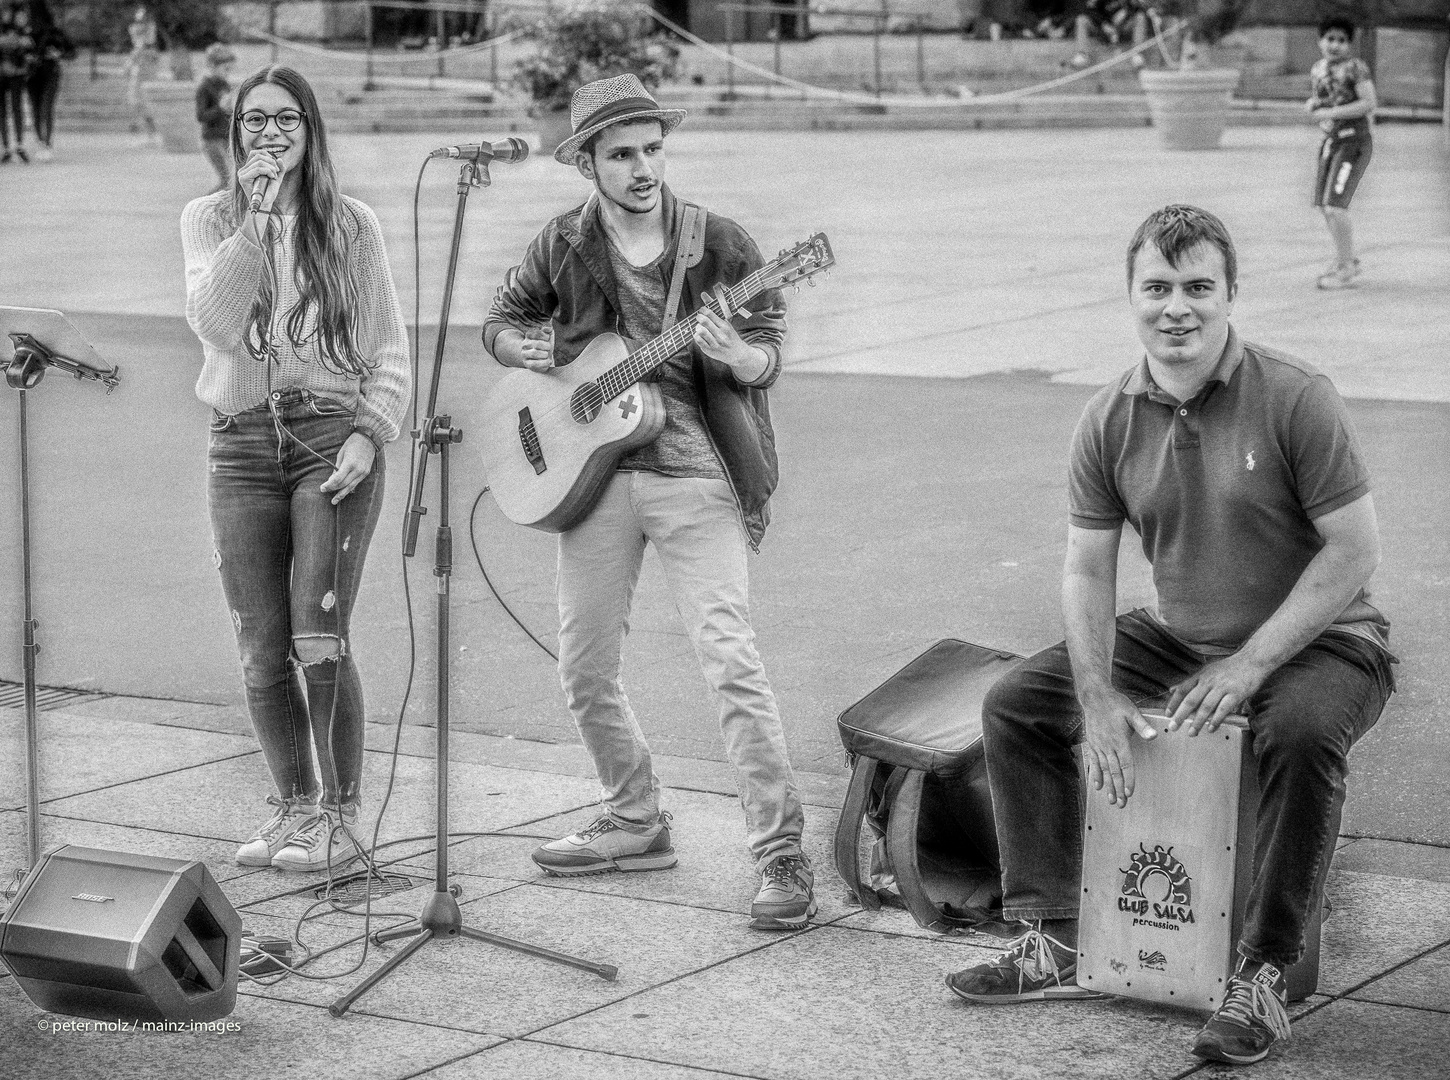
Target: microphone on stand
{"x": 259, "y": 183}
{"x": 508, "y": 150}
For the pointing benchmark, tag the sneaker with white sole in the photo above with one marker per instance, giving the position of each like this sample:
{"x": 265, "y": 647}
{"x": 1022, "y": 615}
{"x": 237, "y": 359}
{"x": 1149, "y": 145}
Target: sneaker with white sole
{"x": 272, "y": 836}
{"x": 325, "y": 842}
{"x": 1035, "y": 967}
{"x": 1254, "y": 1015}
{"x": 1340, "y": 276}
{"x": 786, "y": 900}
{"x": 602, "y": 846}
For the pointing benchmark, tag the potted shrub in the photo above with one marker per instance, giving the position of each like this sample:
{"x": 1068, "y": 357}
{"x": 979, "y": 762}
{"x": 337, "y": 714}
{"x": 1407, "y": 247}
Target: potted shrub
{"x": 593, "y": 39}
{"x": 1189, "y": 101}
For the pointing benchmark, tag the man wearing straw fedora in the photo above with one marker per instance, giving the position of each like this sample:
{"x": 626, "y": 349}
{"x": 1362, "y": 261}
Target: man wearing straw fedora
{"x": 631, "y": 260}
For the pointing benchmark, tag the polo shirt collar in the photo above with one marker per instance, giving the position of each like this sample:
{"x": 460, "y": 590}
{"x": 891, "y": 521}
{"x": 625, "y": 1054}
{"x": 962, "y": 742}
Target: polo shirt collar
{"x": 1140, "y": 379}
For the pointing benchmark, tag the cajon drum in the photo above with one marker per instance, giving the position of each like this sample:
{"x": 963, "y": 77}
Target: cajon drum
{"x": 1165, "y": 880}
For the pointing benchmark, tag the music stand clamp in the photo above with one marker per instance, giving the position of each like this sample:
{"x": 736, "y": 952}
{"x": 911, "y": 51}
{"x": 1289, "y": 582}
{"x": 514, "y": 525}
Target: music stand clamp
{"x": 43, "y": 339}
{"x": 440, "y": 917}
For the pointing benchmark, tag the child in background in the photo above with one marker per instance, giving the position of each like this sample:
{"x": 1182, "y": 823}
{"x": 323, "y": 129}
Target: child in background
{"x": 1343, "y": 102}
{"x": 214, "y": 112}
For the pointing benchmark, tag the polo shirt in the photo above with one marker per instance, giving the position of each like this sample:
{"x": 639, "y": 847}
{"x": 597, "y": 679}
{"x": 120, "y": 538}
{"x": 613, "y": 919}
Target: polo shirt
{"x": 1223, "y": 489}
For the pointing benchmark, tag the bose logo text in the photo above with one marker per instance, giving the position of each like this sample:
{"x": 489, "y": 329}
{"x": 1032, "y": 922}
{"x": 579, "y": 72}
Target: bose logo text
{"x": 92, "y": 897}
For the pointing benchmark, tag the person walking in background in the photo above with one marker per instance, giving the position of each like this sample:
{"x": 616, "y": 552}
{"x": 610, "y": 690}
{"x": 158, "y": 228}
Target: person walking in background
{"x": 141, "y": 68}
{"x": 43, "y": 83}
{"x": 214, "y": 112}
{"x": 306, "y": 371}
{"x": 1343, "y": 102}
{"x": 17, "y": 55}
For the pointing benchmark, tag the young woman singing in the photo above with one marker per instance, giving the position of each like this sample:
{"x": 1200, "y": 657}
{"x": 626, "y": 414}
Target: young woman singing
{"x": 306, "y": 370}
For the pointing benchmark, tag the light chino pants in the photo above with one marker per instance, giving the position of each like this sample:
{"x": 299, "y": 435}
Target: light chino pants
{"x": 695, "y": 528}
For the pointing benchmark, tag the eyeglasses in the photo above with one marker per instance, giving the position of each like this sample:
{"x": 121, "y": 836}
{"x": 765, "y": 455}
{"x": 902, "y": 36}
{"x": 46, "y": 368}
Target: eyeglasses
{"x": 287, "y": 119}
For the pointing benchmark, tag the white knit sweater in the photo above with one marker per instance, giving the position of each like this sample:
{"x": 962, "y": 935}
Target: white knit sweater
{"x": 223, "y": 274}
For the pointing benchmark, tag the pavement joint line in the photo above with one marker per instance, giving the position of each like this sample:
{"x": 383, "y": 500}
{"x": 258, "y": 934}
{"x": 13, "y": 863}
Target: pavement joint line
{"x": 149, "y": 776}
{"x": 641, "y": 1057}
{"x": 789, "y": 935}
{"x": 148, "y": 828}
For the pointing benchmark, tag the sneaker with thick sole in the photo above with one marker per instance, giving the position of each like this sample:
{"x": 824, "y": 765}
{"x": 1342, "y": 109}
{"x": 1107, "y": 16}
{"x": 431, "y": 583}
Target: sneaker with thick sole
{"x": 786, "y": 900}
{"x": 272, "y": 836}
{"x": 603, "y": 846}
{"x": 323, "y": 843}
{"x": 1254, "y": 1015}
{"x": 1035, "y": 967}
{"x": 1340, "y": 277}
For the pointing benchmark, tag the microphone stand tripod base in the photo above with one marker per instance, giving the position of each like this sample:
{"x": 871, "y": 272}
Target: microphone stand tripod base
{"x": 441, "y": 918}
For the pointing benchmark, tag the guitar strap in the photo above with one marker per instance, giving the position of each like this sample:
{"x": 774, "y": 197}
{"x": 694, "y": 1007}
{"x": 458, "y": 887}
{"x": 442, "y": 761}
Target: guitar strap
{"x": 689, "y": 253}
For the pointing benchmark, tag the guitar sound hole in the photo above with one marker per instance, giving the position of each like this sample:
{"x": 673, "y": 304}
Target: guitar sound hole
{"x": 585, "y": 403}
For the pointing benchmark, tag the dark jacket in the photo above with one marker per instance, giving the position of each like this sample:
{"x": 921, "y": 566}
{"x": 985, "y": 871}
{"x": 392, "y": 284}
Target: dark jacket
{"x": 565, "y": 277}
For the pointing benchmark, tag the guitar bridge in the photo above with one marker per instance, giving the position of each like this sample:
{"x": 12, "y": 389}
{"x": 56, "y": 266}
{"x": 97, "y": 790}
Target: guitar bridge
{"x": 529, "y": 439}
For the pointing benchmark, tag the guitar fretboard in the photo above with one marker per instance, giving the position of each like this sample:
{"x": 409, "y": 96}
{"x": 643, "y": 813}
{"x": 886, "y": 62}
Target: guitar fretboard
{"x": 642, "y": 361}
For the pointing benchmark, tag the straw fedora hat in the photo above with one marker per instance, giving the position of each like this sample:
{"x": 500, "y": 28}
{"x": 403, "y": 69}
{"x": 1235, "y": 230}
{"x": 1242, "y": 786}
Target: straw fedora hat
{"x": 597, "y": 105}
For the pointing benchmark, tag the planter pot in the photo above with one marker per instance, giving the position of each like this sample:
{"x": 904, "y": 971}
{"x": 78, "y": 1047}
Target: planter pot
{"x": 554, "y": 128}
{"x": 173, "y": 108}
{"x": 1189, "y": 107}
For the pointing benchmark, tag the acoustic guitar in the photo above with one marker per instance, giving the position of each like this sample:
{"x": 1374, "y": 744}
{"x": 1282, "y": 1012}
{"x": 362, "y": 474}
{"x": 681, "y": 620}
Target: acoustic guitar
{"x": 551, "y": 440}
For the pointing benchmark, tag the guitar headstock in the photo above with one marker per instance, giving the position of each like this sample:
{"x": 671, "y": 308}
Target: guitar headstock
{"x": 799, "y": 263}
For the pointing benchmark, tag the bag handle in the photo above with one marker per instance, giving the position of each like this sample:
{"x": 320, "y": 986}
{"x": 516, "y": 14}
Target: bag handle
{"x": 848, "y": 833}
{"x": 901, "y": 847}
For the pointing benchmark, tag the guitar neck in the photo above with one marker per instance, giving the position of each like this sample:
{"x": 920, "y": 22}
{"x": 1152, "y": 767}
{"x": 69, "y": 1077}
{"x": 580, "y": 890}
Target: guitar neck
{"x": 638, "y": 364}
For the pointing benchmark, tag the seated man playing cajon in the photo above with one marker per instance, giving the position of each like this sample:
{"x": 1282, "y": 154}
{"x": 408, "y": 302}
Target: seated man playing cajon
{"x": 1238, "y": 467}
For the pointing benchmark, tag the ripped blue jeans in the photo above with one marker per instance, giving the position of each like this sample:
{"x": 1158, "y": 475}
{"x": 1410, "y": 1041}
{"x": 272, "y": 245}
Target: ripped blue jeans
{"x": 290, "y": 566}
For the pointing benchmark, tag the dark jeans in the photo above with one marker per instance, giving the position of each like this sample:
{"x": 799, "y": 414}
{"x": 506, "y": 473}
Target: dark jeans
{"x": 291, "y": 564}
{"x": 44, "y": 87}
{"x": 12, "y": 107}
{"x": 1304, "y": 719}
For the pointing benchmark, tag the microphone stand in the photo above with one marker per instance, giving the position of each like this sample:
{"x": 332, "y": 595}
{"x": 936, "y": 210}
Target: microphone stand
{"x": 440, "y": 917}
{"x": 23, "y": 373}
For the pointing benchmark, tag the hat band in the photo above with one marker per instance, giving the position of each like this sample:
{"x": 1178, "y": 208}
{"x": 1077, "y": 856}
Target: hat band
{"x": 616, "y": 110}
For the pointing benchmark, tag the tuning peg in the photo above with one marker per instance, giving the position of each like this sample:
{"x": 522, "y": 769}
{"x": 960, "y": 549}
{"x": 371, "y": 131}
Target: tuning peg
{"x": 811, "y": 282}
{"x": 796, "y": 287}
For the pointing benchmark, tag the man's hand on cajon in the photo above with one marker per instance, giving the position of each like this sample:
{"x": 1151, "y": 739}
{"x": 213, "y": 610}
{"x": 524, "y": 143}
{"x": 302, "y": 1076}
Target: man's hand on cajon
{"x": 1213, "y": 695}
{"x": 1109, "y": 719}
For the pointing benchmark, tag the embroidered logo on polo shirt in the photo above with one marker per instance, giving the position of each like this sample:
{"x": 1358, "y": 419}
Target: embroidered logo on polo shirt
{"x": 1249, "y": 461}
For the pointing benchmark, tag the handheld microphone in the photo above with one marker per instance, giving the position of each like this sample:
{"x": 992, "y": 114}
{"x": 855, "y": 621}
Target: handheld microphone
{"x": 508, "y": 150}
{"x": 259, "y": 184}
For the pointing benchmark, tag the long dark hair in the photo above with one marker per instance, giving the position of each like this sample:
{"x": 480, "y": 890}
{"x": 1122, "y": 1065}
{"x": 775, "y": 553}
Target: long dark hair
{"x": 325, "y": 231}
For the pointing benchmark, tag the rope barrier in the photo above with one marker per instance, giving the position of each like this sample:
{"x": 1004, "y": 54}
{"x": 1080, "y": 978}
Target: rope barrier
{"x": 379, "y": 57}
{"x": 910, "y": 102}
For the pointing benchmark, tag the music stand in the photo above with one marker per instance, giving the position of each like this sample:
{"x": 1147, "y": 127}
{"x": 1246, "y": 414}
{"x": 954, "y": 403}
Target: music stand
{"x": 42, "y": 339}
{"x": 440, "y": 917}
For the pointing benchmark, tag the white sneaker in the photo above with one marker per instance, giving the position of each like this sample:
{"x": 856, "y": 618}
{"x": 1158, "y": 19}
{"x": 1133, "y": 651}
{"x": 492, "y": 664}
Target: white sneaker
{"x": 323, "y": 843}
{"x": 273, "y": 836}
{"x": 602, "y": 846}
{"x": 44, "y": 153}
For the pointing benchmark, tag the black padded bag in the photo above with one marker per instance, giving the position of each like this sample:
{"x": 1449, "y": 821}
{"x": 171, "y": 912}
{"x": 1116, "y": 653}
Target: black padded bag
{"x": 919, "y": 784}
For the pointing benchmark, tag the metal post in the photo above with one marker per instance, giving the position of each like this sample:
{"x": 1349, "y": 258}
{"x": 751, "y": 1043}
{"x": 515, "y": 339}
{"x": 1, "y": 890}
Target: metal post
{"x": 440, "y": 32}
{"x": 921, "y": 52}
{"x": 877, "y": 26}
{"x": 730, "y": 53}
{"x": 368, "y": 33}
{"x": 272, "y": 25}
{"x": 29, "y": 649}
{"x": 491, "y": 27}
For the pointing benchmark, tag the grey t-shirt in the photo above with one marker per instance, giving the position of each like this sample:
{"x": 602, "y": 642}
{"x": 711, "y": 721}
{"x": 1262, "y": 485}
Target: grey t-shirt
{"x": 683, "y": 447}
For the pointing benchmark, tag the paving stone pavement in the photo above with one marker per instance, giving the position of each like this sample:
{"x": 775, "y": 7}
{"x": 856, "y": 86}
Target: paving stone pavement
{"x": 699, "y": 995}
